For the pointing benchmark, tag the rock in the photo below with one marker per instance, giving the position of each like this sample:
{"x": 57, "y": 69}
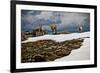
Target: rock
{"x": 39, "y": 58}
{"x": 47, "y": 50}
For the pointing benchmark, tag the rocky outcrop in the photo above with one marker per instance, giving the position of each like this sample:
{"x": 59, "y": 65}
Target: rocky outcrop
{"x": 39, "y": 32}
{"x": 25, "y": 35}
{"x": 34, "y": 33}
{"x": 47, "y": 50}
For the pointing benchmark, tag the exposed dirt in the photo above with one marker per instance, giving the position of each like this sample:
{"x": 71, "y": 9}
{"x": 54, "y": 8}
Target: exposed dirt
{"x": 47, "y": 50}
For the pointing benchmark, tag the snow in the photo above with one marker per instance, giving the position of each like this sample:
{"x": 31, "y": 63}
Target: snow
{"x": 82, "y": 53}
{"x": 58, "y": 38}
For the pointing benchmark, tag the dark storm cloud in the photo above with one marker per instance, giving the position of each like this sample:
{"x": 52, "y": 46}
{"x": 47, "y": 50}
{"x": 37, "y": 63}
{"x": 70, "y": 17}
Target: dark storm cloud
{"x": 31, "y": 12}
{"x": 64, "y": 20}
{"x": 31, "y": 19}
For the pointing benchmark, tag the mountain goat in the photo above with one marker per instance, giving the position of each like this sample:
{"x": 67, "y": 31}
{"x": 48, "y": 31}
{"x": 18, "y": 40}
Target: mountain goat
{"x": 53, "y": 28}
{"x": 80, "y": 28}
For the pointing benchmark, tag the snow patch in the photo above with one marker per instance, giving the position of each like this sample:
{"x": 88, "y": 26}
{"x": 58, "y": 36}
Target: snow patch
{"x": 82, "y": 53}
{"x": 58, "y": 38}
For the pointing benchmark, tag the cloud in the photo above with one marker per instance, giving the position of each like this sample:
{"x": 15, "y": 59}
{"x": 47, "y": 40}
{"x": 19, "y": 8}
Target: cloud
{"x": 64, "y": 20}
{"x": 30, "y": 12}
{"x": 73, "y": 19}
{"x": 44, "y": 15}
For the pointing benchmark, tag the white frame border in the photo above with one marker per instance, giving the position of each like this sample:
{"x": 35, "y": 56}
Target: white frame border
{"x": 51, "y": 64}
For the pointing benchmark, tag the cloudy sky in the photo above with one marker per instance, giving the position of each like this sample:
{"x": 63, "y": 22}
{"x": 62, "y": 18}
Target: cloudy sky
{"x": 65, "y": 21}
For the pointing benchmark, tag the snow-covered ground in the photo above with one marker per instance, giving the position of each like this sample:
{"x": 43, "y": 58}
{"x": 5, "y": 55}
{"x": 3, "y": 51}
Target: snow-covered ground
{"x": 83, "y": 53}
{"x": 59, "y": 38}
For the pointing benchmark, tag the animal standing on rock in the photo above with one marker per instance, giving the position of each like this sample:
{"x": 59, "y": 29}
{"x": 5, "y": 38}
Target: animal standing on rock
{"x": 53, "y": 28}
{"x": 80, "y": 28}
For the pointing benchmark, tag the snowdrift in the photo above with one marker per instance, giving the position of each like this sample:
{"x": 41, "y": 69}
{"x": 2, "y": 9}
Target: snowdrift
{"x": 59, "y": 38}
{"x": 83, "y": 53}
